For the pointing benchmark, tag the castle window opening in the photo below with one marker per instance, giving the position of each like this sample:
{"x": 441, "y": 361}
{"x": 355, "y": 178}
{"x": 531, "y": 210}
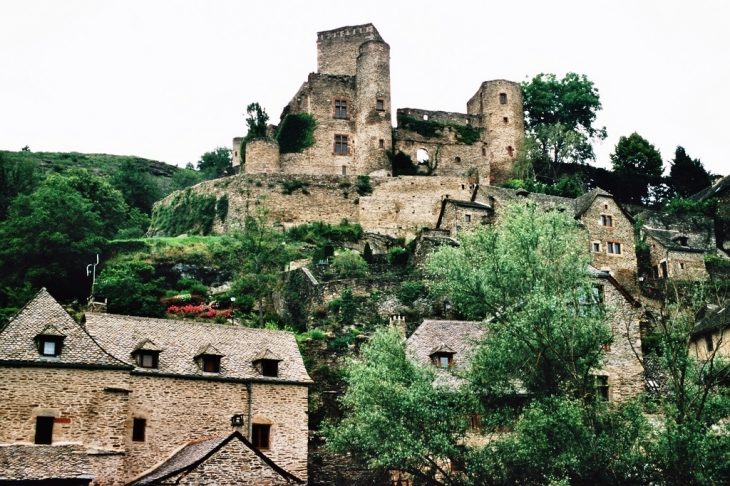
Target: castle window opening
{"x": 344, "y": 170}
{"x": 502, "y": 98}
{"x": 484, "y": 152}
{"x": 708, "y": 344}
{"x": 425, "y": 117}
{"x": 505, "y": 119}
{"x": 380, "y": 105}
{"x": 511, "y": 151}
{"x": 44, "y": 430}
{"x": 340, "y": 108}
{"x": 341, "y": 145}
{"x": 681, "y": 265}
{"x": 467, "y": 218}
{"x": 468, "y": 121}
{"x": 381, "y": 143}
{"x": 457, "y": 159}
{"x": 606, "y": 220}
{"x": 596, "y": 246}
{"x": 602, "y": 387}
{"x": 139, "y": 428}
{"x": 422, "y": 156}
{"x": 260, "y": 434}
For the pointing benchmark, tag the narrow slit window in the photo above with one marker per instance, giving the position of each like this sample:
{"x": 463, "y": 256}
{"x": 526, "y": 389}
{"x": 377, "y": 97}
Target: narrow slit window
{"x": 381, "y": 143}
{"x": 505, "y": 119}
{"x": 502, "y": 98}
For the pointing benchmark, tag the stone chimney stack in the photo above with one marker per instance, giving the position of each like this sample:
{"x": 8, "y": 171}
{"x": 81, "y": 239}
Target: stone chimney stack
{"x": 399, "y": 322}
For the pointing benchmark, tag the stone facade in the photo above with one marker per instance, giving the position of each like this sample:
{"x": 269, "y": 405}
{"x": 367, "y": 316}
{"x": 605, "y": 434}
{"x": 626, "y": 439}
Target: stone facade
{"x": 93, "y": 387}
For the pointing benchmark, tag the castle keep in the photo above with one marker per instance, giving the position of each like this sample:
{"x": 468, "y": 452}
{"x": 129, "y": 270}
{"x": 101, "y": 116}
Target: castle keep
{"x": 349, "y": 99}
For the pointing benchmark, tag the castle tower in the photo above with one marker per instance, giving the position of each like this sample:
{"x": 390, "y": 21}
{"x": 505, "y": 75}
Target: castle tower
{"x": 337, "y": 49}
{"x": 499, "y": 103}
{"x": 372, "y": 105}
{"x": 262, "y": 156}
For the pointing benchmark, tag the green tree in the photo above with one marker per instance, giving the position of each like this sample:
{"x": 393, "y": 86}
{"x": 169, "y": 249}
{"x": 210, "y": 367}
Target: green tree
{"x": 16, "y": 178}
{"x": 260, "y": 257}
{"x": 186, "y": 177}
{"x": 639, "y": 166}
{"x": 687, "y": 175}
{"x": 106, "y": 201}
{"x": 559, "y": 117}
{"x": 216, "y": 163}
{"x": 137, "y": 185}
{"x": 256, "y": 120}
{"x": 131, "y": 289}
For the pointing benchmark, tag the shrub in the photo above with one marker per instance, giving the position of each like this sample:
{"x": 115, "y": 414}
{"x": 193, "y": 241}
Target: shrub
{"x": 187, "y": 212}
{"x": 221, "y": 208}
{"x": 349, "y": 264}
{"x": 290, "y": 187}
{"x": 296, "y": 133}
{"x": 320, "y": 233}
{"x": 409, "y": 292}
{"x": 397, "y": 256}
{"x": 363, "y": 186}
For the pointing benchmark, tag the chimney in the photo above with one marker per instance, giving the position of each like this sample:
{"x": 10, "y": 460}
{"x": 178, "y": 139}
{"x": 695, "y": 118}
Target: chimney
{"x": 399, "y": 322}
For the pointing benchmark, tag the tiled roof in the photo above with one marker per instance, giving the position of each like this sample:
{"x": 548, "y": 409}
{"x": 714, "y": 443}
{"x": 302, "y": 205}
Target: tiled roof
{"x": 714, "y": 190}
{"x": 669, "y": 239}
{"x": 44, "y": 316}
{"x": 180, "y": 342}
{"x": 42, "y": 462}
{"x": 195, "y": 453}
{"x": 457, "y": 336}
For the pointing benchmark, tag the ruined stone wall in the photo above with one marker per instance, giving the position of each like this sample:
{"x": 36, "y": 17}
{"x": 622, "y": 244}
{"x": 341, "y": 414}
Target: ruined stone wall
{"x": 233, "y": 465}
{"x": 338, "y": 49}
{"x": 625, "y": 373}
{"x": 236, "y": 150}
{"x": 504, "y": 121}
{"x": 179, "y": 410}
{"x": 622, "y": 266}
{"x": 262, "y": 155}
{"x": 89, "y": 407}
{"x": 459, "y": 218}
{"x": 400, "y": 206}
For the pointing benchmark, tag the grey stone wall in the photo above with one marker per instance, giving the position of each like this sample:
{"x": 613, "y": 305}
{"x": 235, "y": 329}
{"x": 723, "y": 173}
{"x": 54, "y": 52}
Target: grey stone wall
{"x": 337, "y": 49}
{"x": 262, "y": 155}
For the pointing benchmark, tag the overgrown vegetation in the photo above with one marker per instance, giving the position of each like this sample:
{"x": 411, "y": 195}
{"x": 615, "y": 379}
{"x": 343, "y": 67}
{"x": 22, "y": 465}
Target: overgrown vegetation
{"x": 296, "y": 133}
{"x": 319, "y": 233}
{"x": 465, "y": 134}
{"x": 188, "y": 213}
{"x": 291, "y": 186}
{"x": 363, "y": 186}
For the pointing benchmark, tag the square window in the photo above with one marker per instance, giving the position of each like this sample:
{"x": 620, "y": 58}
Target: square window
{"x": 212, "y": 364}
{"x": 148, "y": 360}
{"x": 139, "y": 428}
{"x": 443, "y": 361}
{"x": 502, "y": 98}
{"x": 49, "y": 348}
{"x": 380, "y": 105}
{"x": 340, "y": 108}
{"x": 44, "y": 430}
{"x": 467, "y": 218}
{"x": 505, "y": 119}
{"x": 596, "y": 247}
{"x": 606, "y": 220}
{"x": 341, "y": 145}
{"x": 381, "y": 143}
{"x": 260, "y": 435}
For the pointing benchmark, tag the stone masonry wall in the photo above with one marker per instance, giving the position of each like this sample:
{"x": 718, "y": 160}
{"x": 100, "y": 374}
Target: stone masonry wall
{"x": 233, "y": 465}
{"x": 455, "y": 218}
{"x": 262, "y": 155}
{"x": 626, "y": 375}
{"x": 338, "y": 49}
{"x": 89, "y": 406}
{"x": 623, "y": 265}
{"x": 179, "y": 410}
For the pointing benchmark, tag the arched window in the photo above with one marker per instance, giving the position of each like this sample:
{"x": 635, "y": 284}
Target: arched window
{"x": 422, "y": 156}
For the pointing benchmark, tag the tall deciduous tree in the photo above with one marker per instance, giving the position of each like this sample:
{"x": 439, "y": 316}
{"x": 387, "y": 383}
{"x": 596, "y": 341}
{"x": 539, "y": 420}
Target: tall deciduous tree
{"x": 559, "y": 116}
{"x": 639, "y": 167}
{"x": 687, "y": 175}
{"x": 215, "y": 163}
{"x": 15, "y": 178}
{"x": 135, "y": 183}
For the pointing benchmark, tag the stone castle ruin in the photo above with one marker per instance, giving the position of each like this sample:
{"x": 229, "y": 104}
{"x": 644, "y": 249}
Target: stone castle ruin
{"x": 349, "y": 100}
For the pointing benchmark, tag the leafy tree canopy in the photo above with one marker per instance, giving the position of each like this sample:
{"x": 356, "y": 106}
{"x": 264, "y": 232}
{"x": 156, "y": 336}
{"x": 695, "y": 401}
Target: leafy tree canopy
{"x": 137, "y": 185}
{"x": 17, "y": 177}
{"x": 131, "y": 289}
{"x": 215, "y": 163}
{"x": 256, "y": 120}
{"x": 639, "y": 165}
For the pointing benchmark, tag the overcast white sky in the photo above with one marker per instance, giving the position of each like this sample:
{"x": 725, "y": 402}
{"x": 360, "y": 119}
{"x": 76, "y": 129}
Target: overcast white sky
{"x": 169, "y": 80}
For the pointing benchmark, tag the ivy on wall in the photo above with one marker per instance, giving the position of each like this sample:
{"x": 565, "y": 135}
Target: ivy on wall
{"x": 465, "y": 134}
{"x": 296, "y": 133}
{"x": 189, "y": 212}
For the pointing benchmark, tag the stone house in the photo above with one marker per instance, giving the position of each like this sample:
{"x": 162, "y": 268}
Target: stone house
{"x": 448, "y": 344}
{"x": 132, "y": 390}
{"x": 458, "y": 215}
{"x": 678, "y": 244}
{"x": 349, "y": 98}
{"x": 610, "y": 229}
{"x": 711, "y": 334}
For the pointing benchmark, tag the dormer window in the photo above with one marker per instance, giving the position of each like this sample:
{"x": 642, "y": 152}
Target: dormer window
{"x": 681, "y": 240}
{"x": 443, "y": 356}
{"x": 50, "y": 342}
{"x": 147, "y": 355}
{"x": 267, "y": 363}
{"x": 209, "y": 359}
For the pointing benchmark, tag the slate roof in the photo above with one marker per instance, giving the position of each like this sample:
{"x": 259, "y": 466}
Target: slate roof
{"x": 714, "y": 190}
{"x": 456, "y": 336}
{"x": 195, "y": 453}
{"x": 43, "y": 315}
{"x": 669, "y": 240}
{"x": 664, "y": 227}
{"x": 43, "y": 462}
{"x": 179, "y": 342}
{"x": 714, "y": 319}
